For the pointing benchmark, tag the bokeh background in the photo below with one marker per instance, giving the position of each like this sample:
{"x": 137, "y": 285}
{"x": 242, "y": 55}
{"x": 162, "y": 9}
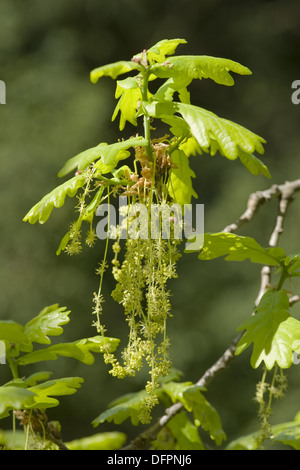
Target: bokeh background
{"x": 53, "y": 112}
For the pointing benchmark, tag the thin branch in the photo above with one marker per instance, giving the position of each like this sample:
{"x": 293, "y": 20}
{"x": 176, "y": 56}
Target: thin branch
{"x": 255, "y": 200}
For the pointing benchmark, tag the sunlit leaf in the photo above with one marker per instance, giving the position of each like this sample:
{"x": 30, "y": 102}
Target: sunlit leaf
{"x": 273, "y": 332}
{"x": 160, "y": 50}
{"x": 194, "y": 401}
{"x": 207, "y": 127}
{"x": 100, "y": 441}
{"x": 37, "y": 377}
{"x": 13, "y": 397}
{"x": 80, "y": 350}
{"x": 42, "y": 210}
{"x": 128, "y": 104}
{"x": 112, "y": 154}
{"x": 47, "y": 322}
{"x": 253, "y": 164}
{"x": 127, "y": 407}
{"x": 198, "y": 67}
{"x": 288, "y": 433}
{"x": 82, "y": 160}
{"x": 185, "y": 433}
{"x": 180, "y": 183}
{"x": 113, "y": 70}
{"x": 239, "y": 248}
{"x": 44, "y": 392}
{"x": 12, "y": 332}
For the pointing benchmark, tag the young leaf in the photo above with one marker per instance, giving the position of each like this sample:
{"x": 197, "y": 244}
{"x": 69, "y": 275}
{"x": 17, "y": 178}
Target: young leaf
{"x": 248, "y": 442}
{"x": 127, "y": 104}
{"x": 207, "y": 127}
{"x": 239, "y": 248}
{"x": 33, "y": 379}
{"x": 82, "y": 160}
{"x": 160, "y": 50}
{"x": 12, "y": 332}
{"x": 47, "y": 322}
{"x": 253, "y": 164}
{"x": 44, "y": 392}
{"x": 167, "y": 89}
{"x": 198, "y": 67}
{"x": 194, "y": 401}
{"x": 185, "y": 433}
{"x": 288, "y": 433}
{"x": 42, "y": 210}
{"x": 101, "y": 441}
{"x": 112, "y": 154}
{"x": 273, "y": 332}
{"x": 14, "y": 397}
{"x": 180, "y": 183}
{"x": 113, "y": 70}
{"x": 80, "y": 350}
{"x": 120, "y": 410}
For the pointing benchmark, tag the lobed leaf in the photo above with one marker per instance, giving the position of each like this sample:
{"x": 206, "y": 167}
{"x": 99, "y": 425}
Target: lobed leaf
{"x": 81, "y": 350}
{"x": 12, "y": 332}
{"x": 122, "y": 409}
{"x": 198, "y": 67}
{"x": 14, "y": 397}
{"x": 253, "y": 164}
{"x": 208, "y": 128}
{"x": 273, "y": 332}
{"x": 180, "y": 183}
{"x": 161, "y": 49}
{"x": 44, "y": 392}
{"x": 239, "y": 248}
{"x": 127, "y": 105}
{"x": 112, "y": 154}
{"x": 194, "y": 401}
{"x": 113, "y": 70}
{"x": 169, "y": 87}
{"x": 82, "y": 160}
{"x": 47, "y": 322}
{"x": 42, "y": 210}
{"x": 185, "y": 433}
{"x": 288, "y": 433}
{"x": 100, "y": 441}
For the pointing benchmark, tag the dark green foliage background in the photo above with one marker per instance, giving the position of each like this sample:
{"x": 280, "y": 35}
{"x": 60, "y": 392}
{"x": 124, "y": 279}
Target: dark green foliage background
{"x": 53, "y": 112}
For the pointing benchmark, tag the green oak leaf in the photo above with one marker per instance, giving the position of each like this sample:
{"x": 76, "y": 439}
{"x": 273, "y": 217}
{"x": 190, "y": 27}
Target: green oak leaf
{"x": 82, "y": 160}
{"x": 36, "y": 377}
{"x": 128, "y": 105}
{"x": 12, "y": 332}
{"x": 192, "y": 398}
{"x": 113, "y": 70}
{"x": 198, "y": 67}
{"x": 81, "y": 350}
{"x": 273, "y": 332}
{"x": 185, "y": 433}
{"x": 239, "y": 248}
{"x": 112, "y": 154}
{"x": 288, "y": 433}
{"x": 47, "y": 322}
{"x": 208, "y": 128}
{"x": 14, "y": 397}
{"x": 101, "y": 441}
{"x": 44, "y": 392}
{"x": 180, "y": 183}
{"x": 166, "y": 91}
{"x": 253, "y": 164}
{"x": 128, "y": 406}
{"x": 163, "y": 48}
{"x": 56, "y": 198}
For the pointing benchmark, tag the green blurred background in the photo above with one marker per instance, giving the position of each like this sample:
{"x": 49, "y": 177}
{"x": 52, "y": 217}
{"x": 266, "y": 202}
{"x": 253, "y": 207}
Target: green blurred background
{"x": 53, "y": 112}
